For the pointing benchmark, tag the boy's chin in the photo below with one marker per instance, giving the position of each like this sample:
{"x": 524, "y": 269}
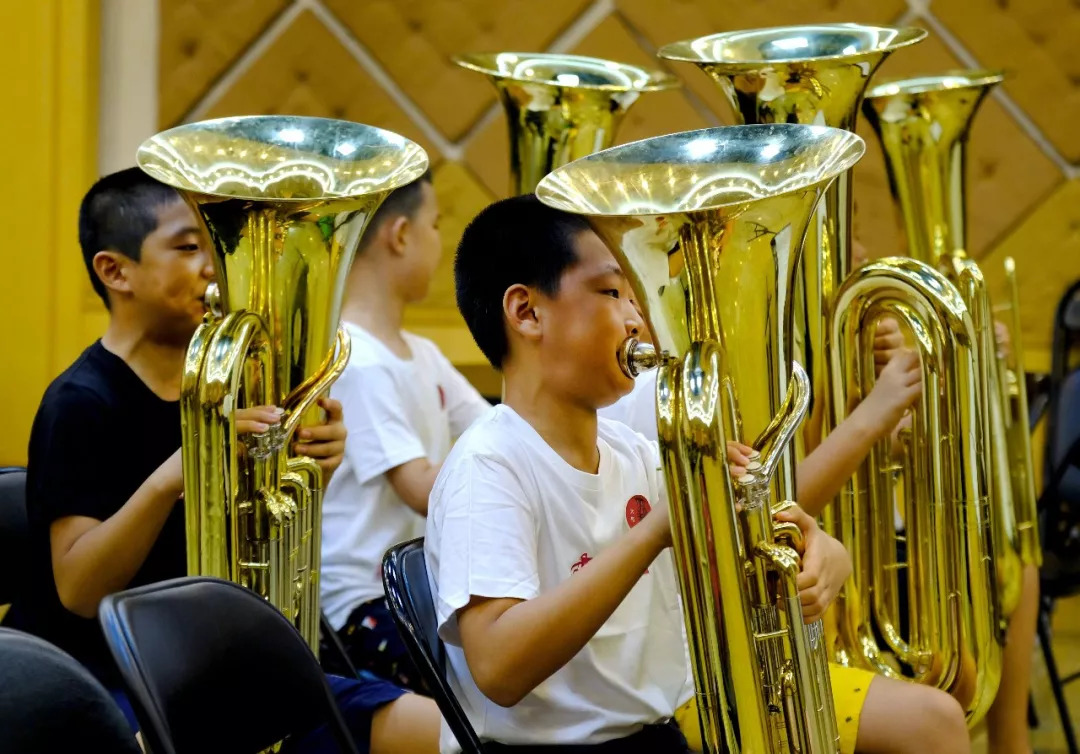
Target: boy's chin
{"x": 616, "y": 393}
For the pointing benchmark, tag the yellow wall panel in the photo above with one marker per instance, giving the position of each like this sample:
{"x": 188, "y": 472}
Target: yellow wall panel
{"x": 50, "y": 162}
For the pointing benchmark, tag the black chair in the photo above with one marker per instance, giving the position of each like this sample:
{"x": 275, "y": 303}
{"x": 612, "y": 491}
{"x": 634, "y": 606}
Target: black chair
{"x": 14, "y": 532}
{"x": 49, "y": 702}
{"x": 211, "y": 667}
{"x": 408, "y": 595}
{"x": 1059, "y": 503}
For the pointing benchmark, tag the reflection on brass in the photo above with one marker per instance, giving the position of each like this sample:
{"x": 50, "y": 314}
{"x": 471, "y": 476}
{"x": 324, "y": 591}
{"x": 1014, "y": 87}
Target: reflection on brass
{"x": 735, "y": 202}
{"x": 560, "y": 107}
{"x": 953, "y": 640}
{"x": 284, "y": 201}
{"x": 923, "y": 124}
{"x": 814, "y": 74}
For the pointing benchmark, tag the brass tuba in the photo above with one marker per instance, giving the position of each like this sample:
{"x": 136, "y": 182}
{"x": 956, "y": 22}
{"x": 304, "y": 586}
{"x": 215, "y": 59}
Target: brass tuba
{"x": 953, "y": 640}
{"x": 284, "y": 201}
{"x": 923, "y": 124}
{"x": 819, "y": 74}
{"x": 816, "y": 75}
{"x": 560, "y": 107}
{"x": 709, "y": 227}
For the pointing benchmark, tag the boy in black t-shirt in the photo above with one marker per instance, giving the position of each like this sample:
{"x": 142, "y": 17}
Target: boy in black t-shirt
{"x": 105, "y": 474}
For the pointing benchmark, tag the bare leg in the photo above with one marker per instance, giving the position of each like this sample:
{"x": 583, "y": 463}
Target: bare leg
{"x": 1006, "y": 722}
{"x": 900, "y": 717}
{"x": 408, "y": 725}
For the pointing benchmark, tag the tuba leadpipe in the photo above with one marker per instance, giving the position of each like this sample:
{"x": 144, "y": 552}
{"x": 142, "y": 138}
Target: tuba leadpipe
{"x": 559, "y": 107}
{"x": 284, "y": 201}
{"x": 709, "y": 227}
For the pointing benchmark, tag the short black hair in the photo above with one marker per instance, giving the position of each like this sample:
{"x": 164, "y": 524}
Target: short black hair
{"x": 117, "y": 214}
{"x": 402, "y": 202}
{"x": 514, "y": 241}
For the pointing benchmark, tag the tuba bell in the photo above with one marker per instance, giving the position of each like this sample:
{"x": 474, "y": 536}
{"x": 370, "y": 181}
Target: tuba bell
{"x": 709, "y": 227}
{"x": 284, "y": 201}
{"x": 560, "y": 107}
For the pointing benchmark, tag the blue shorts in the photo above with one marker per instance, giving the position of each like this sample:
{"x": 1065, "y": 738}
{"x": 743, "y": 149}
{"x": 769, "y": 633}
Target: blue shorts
{"x": 357, "y": 699}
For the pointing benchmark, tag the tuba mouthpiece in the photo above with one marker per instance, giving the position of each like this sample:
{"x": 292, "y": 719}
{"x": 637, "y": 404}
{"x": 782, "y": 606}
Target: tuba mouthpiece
{"x": 636, "y": 357}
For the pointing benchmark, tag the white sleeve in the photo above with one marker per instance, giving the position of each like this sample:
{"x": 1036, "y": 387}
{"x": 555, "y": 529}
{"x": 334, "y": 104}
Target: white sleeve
{"x": 486, "y": 539}
{"x": 464, "y": 404}
{"x": 379, "y": 434}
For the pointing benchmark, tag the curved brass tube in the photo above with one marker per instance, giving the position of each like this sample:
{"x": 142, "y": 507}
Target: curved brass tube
{"x": 951, "y": 555}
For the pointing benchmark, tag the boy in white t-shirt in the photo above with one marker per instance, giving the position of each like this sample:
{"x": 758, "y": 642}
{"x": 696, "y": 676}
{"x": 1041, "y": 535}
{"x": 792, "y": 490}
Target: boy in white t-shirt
{"x": 547, "y": 534}
{"x": 404, "y": 403}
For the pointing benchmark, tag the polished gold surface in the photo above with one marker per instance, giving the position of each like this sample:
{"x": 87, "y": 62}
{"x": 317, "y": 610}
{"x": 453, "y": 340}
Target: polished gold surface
{"x": 709, "y": 227}
{"x": 812, "y": 74}
{"x": 923, "y": 124}
{"x": 953, "y": 640}
{"x": 560, "y": 107}
{"x": 284, "y": 201}
{"x": 1014, "y": 385}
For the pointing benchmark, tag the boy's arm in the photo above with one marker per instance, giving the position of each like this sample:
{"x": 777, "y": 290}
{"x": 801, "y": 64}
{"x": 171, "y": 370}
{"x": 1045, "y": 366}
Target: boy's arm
{"x": 93, "y": 558}
{"x": 483, "y": 531}
{"x": 823, "y": 473}
{"x": 381, "y": 439}
{"x": 412, "y": 481}
{"x": 512, "y": 645}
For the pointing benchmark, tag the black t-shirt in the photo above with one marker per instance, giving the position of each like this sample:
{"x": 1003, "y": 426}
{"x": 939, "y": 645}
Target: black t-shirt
{"x": 99, "y": 433}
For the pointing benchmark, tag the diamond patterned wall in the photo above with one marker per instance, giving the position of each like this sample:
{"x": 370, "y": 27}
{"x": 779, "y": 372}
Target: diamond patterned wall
{"x": 386, "y": 62}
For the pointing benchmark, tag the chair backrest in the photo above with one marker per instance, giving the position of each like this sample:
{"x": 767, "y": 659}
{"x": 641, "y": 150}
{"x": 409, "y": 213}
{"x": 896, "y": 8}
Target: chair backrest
{"x": 14, "y": 531}
{"x": 210, "y": 666}
{"x": 1063, "y": 414}
{"x": 1059, "y": 503}
{"x": 408, "y": 593}
{"x": 49, "y": 702}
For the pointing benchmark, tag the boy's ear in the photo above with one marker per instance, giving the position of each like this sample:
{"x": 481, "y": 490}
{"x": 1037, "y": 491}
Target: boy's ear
{"x": 113, "y": 269}
{"x": 397, "y": 234}
{"x": 519, "y": 308}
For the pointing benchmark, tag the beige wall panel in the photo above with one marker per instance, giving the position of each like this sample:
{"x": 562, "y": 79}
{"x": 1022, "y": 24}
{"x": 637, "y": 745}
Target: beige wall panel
{"x": 1037, "y": 40}
{"x": 306, "y": 71}
{"x": 414, "y": 39}
{"x": 200, "y": 40}
{"x": 1008, "y": 175}
{"x": 1046, "y": 247}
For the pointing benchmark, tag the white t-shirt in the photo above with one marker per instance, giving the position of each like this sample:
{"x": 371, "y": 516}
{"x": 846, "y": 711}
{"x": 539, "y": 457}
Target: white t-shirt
{"x": 637, "y": 409}
{"x": 395, "y": 410}
{"x": 510, "y": 518}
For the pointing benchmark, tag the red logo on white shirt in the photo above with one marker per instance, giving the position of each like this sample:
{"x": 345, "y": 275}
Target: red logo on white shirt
{"x": 442, "y": 397}
{"x": 637, "y": 508}
{"x": 582, "y": 562}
